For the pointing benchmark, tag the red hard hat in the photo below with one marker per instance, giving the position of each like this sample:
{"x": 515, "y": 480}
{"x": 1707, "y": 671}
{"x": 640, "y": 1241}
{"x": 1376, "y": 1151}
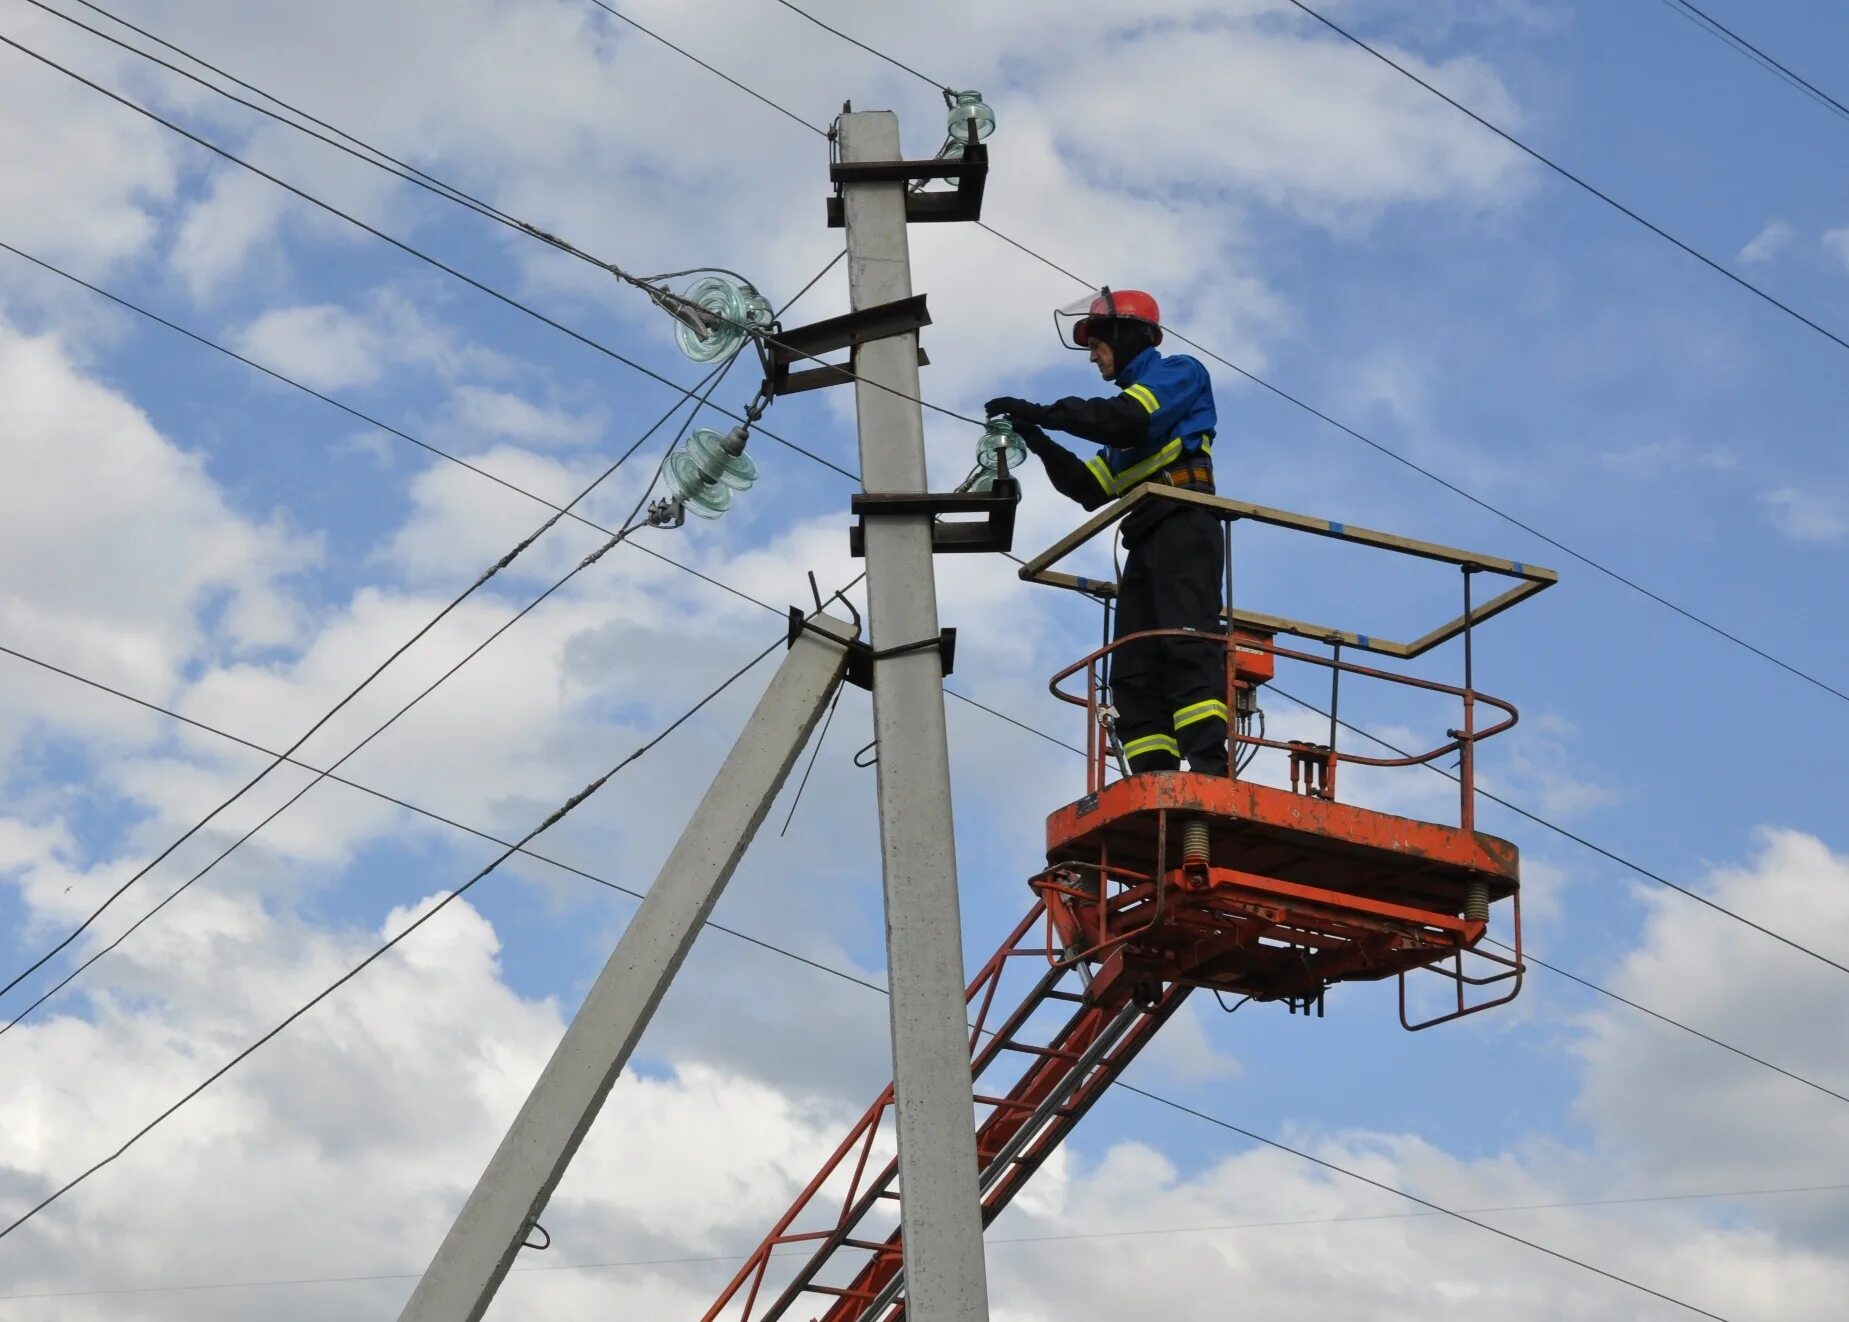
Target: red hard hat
{"x": 1130, "y": 304}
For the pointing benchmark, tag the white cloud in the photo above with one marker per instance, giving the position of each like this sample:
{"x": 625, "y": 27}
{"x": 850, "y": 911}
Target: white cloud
{"x": 1773, "y": 238}
{"x": 1836, "y": 243}
{"x": 1806, "y": 515}
{"x": 219, "y": 234}
{"x": 398, "y": 1087}
{"x": 336, "y": 348}
{"x": 322, "y": 346}
{"x": 117, "y": 536}
{"x": 1687, "y": 1112}
{"x": 503, "y": 415}
{"x": 84, "y": 180}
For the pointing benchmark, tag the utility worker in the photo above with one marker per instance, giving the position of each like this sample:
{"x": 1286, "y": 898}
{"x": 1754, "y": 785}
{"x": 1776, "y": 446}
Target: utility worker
{"x": 1170, "y": 692}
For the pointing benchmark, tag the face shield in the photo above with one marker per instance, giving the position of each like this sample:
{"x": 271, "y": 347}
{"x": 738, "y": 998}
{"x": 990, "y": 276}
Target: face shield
{"x": 1073, "y": 322}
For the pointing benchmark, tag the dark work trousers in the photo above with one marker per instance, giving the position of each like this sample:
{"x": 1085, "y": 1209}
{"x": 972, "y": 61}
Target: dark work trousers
{"x": 1170, "y": 693}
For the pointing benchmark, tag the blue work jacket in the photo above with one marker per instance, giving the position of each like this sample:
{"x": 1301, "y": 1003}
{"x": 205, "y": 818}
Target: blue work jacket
{"x": 1177, "y": 395}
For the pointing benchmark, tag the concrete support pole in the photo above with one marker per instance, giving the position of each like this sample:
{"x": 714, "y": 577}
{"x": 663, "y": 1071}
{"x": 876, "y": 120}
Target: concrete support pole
{"x": 461, "y": 1280}
{"x": 945, "y": 1277}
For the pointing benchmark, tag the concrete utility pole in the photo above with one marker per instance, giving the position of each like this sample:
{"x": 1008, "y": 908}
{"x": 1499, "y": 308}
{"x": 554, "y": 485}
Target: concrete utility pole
{"x": 945, "y": 1277}
{"x": 461, "y": 1280}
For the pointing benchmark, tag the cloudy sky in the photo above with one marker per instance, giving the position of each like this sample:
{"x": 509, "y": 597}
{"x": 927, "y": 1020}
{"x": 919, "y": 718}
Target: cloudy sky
{"x": 184, "y": 529}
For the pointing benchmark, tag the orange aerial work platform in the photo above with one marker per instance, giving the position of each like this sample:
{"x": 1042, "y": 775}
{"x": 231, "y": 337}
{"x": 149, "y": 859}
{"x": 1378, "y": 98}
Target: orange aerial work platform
{"x": 1160, "y": 883}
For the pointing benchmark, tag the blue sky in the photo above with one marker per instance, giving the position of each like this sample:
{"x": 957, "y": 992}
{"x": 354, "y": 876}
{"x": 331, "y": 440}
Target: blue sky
{"x": 184, "y": 529}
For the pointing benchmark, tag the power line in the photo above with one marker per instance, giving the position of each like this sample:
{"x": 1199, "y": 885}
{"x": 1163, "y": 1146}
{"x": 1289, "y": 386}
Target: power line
{"x": 1426, "y": 1203}
{"x": 432, "y": 815}
{"x": 686, "y": 54}
{"x": 1728, "y": 36}
{"x": 1572, "y": 178}
{"x": 726, "y": 587}
{"x": 710, "y": 383}
{"x": 1642, "y": 871}
{"x": 93, "y": 85}
{"x": 961, "y": 697}
{"x": 1581, "y": 840}
{"x": 351, "y": 410}
{"x": 705, "y": 1258}
{"x": 1432, "y": 1207}
{"x": 496, "y": 478}
{"x": 854, "y": 41}
{"x": 1528, "y": 954}
{"x": 481, "y": 579}
{"x": 418, "y": 253}
{"x": 1529, "y": 957}
{"x": 392, "y": 165}
{"x": 475, "y": 203}
{"x": 557, "y": 815}
{"x": 192, "y": 830}
{"x": 614, "y": 540}
{"x": 585, "y": 793}
{"x": 1299, "y": 403}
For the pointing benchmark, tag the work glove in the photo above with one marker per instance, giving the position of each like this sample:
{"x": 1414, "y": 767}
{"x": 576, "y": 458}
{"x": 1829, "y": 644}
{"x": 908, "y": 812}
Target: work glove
{"x": 1017, "y": 409}
{"x": 1037, "y": 441}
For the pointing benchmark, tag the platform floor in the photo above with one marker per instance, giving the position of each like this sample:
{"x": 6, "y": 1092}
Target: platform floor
{"x": 1292, "y": 837}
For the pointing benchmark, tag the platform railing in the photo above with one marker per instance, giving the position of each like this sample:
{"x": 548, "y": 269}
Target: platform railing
{"x": 1313, "y": 766}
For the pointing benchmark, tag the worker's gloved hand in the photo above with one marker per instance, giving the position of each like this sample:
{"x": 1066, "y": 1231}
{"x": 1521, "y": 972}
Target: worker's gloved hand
{"x": 1017, "y": 409}
{"x": 1038, "y": 442}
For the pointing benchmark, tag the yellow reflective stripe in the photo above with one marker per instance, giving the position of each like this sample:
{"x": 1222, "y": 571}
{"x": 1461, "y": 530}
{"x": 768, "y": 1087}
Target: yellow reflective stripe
{"x": 1200, "y": 711}
{"x": 1156, "y": 462}
{"x": 1102, "y": 471}
{"x": 1207, "y": 445}
{"x": 1144, "y": 396}
{"x": 1153, "y": 743}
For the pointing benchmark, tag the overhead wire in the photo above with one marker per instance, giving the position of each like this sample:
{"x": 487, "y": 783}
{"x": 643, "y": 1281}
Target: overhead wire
{"x": 1437, "y": 1208}
{"x": 487, "y": 209}
{"x": 764, "y": 605}
{"x": 630, "y": 525}
{"x": 1642, "y": 871}
{"x": 1567, "y": 550}
{"x": 428, "y": 813}
{"x": 591, "y": 788}
{"x": 945, "y": 88}
{"x": 1528, "y": 954}
{"x": 990, "y": 1240}
{"x": 416, "y": 252}
{"x": 496, "y": 478}
{"x": 1727, "y": 36}
{"x": 349, "y": 409}
{"x": 1303, "y": 405}
{"x": 106, "y": 92}
{"x": 449, "y": 192}
{"x": 1433, "y": 1208}
{"x": 250, "y": 784}
{"x": 1573, "y": 178}
{"x": 558, "y": 814}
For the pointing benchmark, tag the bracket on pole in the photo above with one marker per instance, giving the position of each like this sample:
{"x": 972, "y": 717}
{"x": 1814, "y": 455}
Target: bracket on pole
{"x": 993, "y": 532}
{"x": 970, "y": 170}
{"x": 848, "y": 331}
{"x": 860, "y": 653}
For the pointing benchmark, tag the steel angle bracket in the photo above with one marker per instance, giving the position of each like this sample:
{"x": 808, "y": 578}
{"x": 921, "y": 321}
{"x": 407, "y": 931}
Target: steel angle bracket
{"x": 849, "y": 331}
{"x": 861, "y": 654}
{"x": 993, "y": 532}
{"x": 964, "y": 202}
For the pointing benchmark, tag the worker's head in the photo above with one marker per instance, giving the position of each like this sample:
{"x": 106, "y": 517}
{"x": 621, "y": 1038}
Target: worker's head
{"x": 1113, "y": 328}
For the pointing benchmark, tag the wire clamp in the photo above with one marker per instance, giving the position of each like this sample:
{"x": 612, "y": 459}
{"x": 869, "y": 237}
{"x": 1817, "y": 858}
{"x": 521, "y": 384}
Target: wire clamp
{"x": 861, "y": 655}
